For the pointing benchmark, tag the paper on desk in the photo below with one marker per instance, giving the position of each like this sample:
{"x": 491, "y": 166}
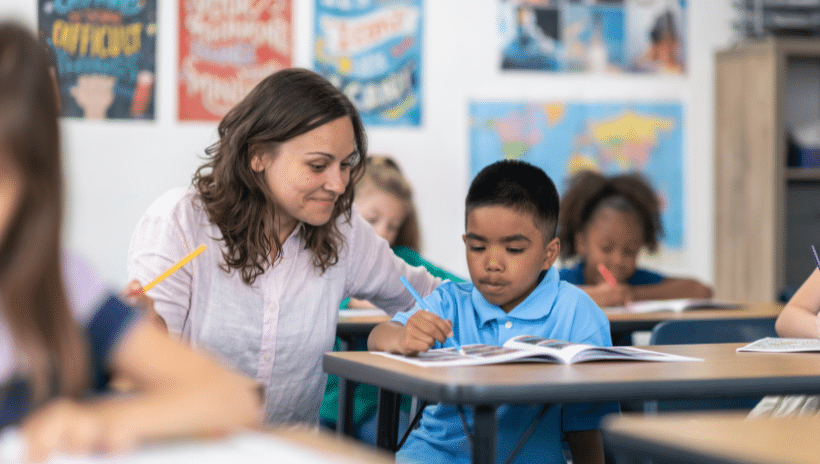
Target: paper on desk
{"x": 243, "y": 448}
{"x": 782, "y": 345}
{"x": 362, "y": 312}
{"x": 677, "y": 305}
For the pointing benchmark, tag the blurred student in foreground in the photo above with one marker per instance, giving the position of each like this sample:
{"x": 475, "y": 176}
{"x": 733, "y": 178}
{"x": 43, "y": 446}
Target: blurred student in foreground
{"x": 63, "y": 333}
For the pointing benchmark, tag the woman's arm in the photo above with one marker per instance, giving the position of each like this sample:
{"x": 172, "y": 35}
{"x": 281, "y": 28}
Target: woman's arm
{"x": 179, "y": 392}
{"x": 799, "y": 318}
{"x": 671, "y": 288}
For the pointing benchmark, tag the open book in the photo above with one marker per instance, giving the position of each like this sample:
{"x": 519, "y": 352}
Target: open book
{"x": 531, "y": 348}
{"x": 782, "y": 345}
{"x": 681, "y": 304}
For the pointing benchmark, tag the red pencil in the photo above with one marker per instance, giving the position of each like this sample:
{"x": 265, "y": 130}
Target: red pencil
{"x": 608, "y": 277}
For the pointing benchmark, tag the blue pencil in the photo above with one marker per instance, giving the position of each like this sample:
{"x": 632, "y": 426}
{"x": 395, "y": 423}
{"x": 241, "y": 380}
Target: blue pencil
{"x": 816, "y": 259}
{"x": 421, "y": 304}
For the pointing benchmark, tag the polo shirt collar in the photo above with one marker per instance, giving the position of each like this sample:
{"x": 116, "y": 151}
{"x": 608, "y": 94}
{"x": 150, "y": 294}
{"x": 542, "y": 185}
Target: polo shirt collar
{"x": 537, "y": 305}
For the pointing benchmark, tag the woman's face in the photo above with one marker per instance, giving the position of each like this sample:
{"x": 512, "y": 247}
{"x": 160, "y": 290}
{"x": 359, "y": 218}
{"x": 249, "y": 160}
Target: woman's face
{"x": 11, "y": 192}
{"x": 385, "y": 212}
{"x": 308, "y": 174}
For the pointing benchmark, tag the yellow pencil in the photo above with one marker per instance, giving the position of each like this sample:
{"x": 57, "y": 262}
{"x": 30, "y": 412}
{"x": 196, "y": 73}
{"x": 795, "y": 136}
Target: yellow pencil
{"x": 174, "y": 268}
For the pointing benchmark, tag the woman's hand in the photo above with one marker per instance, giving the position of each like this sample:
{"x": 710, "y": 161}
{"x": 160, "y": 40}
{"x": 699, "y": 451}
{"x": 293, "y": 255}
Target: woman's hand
{"x": 135, "y": 296}
{"x": 359, "y": 304}
{"x": 67, "y": 426}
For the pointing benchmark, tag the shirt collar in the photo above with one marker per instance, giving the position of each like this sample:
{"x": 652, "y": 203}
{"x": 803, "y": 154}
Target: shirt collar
{"x": 537, "y": 305}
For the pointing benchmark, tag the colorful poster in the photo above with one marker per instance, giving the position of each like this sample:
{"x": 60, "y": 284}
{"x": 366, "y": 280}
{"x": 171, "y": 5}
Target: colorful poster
{"x": 105, "y": 55}
{"x": 225, "y": 48}
{"x": 593, "y": 36}
{"x": 371, "y": 49}
{"x": 564, "y": 138}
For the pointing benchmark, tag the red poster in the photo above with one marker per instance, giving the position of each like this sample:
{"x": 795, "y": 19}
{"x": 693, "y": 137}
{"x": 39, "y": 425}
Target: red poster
{"x": 225, "y": 48}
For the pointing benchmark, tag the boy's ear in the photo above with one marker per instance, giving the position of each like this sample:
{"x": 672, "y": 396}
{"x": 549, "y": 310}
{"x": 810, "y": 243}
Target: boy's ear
{"x": 464, "y": 238}
{"x": 552, "y": 250}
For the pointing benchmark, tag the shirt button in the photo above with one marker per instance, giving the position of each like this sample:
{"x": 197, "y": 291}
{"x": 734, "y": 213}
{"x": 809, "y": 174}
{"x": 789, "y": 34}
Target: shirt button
{"x": 508, "y": 325}
{"x": 267, "y": 357}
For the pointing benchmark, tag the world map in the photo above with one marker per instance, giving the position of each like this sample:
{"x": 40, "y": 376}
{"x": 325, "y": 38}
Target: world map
{"x": 564, "y": 138}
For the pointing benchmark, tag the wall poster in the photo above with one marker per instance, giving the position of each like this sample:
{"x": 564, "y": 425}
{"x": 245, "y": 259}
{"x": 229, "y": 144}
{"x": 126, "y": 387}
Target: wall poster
{"x": 563, "y": 138}
{"x": 225, "y": 48}
{"x": 105, "y": 55}
{"x": 371, "y": 49}
{"x": 639, "y": 36}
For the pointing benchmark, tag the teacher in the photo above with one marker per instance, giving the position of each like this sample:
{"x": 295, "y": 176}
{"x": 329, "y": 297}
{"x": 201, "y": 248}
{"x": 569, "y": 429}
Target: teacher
{"x": 274, "y": 205}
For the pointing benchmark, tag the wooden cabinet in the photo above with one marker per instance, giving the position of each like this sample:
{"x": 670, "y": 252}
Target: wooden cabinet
{"x": 766, "y": 214}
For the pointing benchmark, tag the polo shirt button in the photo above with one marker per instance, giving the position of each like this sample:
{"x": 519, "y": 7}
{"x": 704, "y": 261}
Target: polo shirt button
{"x": 508, "y": 325}
{"x": 267, "y": 357}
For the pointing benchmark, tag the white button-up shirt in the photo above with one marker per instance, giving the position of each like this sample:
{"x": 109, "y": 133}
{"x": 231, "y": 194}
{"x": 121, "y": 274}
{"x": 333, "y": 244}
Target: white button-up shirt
{"x": 277, "y": 329}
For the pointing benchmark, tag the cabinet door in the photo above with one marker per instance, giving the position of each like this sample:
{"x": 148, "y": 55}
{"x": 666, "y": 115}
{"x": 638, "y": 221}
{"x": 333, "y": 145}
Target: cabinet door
{"x": 748, "y": 176}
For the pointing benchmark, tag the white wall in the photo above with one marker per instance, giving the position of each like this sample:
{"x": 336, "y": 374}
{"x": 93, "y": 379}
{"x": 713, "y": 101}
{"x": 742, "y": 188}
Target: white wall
{"x": 116, "y": 169}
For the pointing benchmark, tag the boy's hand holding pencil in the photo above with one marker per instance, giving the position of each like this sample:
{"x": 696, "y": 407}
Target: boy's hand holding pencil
{"x": 422, "y": 331}
{"x": 424, "y": 328}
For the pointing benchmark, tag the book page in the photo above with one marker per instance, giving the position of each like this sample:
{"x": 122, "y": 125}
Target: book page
{"x": 570, "y": 352}
{"x": 782, "y": 345}
{"x": 475, "y": 355}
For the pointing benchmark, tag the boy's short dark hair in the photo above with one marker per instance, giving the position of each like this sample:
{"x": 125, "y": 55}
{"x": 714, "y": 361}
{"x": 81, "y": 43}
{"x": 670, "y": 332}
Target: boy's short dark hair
{"x": 520, "y": 186}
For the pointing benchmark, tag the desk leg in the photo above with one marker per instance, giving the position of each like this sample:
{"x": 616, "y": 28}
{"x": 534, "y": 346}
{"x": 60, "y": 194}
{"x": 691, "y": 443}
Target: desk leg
{"x": 344, "y": 418}
{"x": 484, "y": 438}
{"x": 387, "y": 434}
{"x": 347, "y": 390}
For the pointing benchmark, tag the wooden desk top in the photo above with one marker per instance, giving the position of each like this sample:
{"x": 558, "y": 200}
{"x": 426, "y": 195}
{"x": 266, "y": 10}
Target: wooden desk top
{"x": 338, "y": 448}
{"x": 620, "y": 320}
{"x": 722, "y": 373}
{"x": 715, "y": 438}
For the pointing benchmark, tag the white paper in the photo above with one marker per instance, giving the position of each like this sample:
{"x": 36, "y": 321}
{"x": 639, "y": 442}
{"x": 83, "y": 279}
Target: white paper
{"x": 677, "y": 305}
{"x": 248, "y": 447}
{"x": 782, "y": 345}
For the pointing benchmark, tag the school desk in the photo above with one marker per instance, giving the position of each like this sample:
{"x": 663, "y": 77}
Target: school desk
{"x": 719, "y": 438}
{"x": 625, "y": 322}
{"x": 722, "y": 373}
{"x": 353, "y": 325}
{"x": 357, "y": 324}
{"x": 296, "y": 446}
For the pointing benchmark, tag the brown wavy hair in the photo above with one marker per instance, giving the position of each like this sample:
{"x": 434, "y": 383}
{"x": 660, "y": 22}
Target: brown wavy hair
{"x": 590, "y": 191}
{"x": 33, "y": 300}
{"x": 383, "y": 173}
{"x": 284, "y": 105}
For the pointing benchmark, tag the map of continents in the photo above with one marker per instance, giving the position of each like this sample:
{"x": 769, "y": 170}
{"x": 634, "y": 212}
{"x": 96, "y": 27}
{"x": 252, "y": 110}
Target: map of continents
{"x": 563, "y": 138}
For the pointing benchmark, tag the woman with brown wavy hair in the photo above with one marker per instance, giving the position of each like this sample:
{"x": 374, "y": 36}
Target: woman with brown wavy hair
{"x": 63, "y": 332}
{"x": 273, "y": 204}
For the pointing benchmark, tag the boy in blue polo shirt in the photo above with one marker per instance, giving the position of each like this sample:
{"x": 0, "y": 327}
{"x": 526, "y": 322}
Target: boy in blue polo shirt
{"x": 512, "y": 211}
